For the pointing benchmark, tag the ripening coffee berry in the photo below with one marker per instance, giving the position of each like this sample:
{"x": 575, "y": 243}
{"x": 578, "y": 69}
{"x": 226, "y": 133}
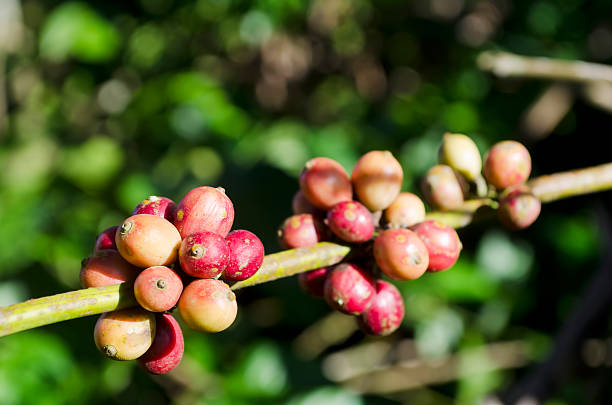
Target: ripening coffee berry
{"x": 204, "y": 209}
{"x": 148, "y": 240}
{"x": 300, "y": 231}
{"x": 204, "y": 254}
{"x": 167, "y": 349}
{"x": 386, "y": 311}
{"x": 106, "y": 240}
{"x": 349, "y": 289}
{"x": 518, "y": 207}
{"x": 406, "y": 210}
{"x": 301, "y": 205}
{"x": 246, "y": 253}
{"x": 461, "y": 153}
{"x": 106, "y": 267}
{"x": 208, "y": 305}
{"x": 443, "y": 188}
{"x": 313, "y": 282}
{"x": 158, "y": 288}
{"x": 401, "y": 254}
{"x": 377, "y": 177}
{"x": 125, "y": 334}
{"x": 351, "y": 221}
{"x": 442, "y": 243}
{"x": 507, "y": 163}
{"x": 325, "y": 183}
{"x": 154, "y": 205}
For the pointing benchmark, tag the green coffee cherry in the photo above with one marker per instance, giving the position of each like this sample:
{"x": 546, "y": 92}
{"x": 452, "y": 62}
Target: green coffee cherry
{"x": 461, "y": 153}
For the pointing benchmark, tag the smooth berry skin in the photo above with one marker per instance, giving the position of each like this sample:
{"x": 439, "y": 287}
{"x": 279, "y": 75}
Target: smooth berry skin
{"x": 155, "y": 205}
{"x": 313, "y": 282}
{"x": 125, "y": 334}
{"x": 325, "y": 183}
{"x": 442, "y": 243}
{"x": 461, "y": 153}
{"x": 204, "y": 209}
{"x": 106, "y": 267}
{"x": 300, "y": 231}
{"x": 518, "y": 207}
{"x": 385, "y": 314}
{"x": 301, "y": 205}
{"x": 208, "y": 305}
{"x": 204, "y": 254}
{"x": 246, "y": 253}
{"x": 507, "y": 163}
{"x": 106, "y": 240}
{"x": 351, "y": 222}
{"x": 377, "y": 178}
{"x": 401, "y": 254}
{"x": 158, "y": 288}
{"x": 349, "y": 289}
{"x": 443, "y": 188}
{"x": 167, "y": 349}
{"x": 406, "y": 210}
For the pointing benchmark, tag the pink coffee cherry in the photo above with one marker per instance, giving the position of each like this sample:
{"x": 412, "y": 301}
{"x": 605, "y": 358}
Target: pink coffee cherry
{"x": 518, "y": 207}
{"x": 208, "y": 305}
{"x": 246, "y": 255}
{"x": 301, "y": 230}
{"x": 406, "y": 210}
{"x": 106, "y": 240}
{"x": 301, "y": 205}
{"x": 386, "y": 311}
{"x": 158, "y": 288}
{"x": 349, "y": 289}
{"x": 167, "y": 349}
{"x": 204, "y": 254}
{"x": 442, "y": 243}
{"x": 507, "y": 163}
{"x": 106, "y": 267}
{"x": 351, "y": 221}
{"x": 377, "y": 178}
{"x": 160, "y": 206}
{"x": 443, "y": 188}
{"x": 204, "y": 209}
{"x": 325, "y": 183}
{"x": 401, "y": 254}
{"x": 313, "y": 282}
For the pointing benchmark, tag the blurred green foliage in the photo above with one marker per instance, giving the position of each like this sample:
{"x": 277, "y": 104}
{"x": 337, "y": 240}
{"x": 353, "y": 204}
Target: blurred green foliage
{"x": 109, "y": 102}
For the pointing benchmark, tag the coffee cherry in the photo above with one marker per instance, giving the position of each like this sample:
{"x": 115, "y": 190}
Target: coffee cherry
{"x": 443, "y": 188}
{"x": 406, "y": 210}
{"x": 400, "y": 254}
{"x": 507, "y": 163}
{"x": 386, "y": 311}
{"x": 325, "y": 183}
{"x": 167, "y": 349}
{"x": 461, "y": 153}
{"x": 377, "y": 177}
{"x": 300, "y": 231}
{"x": 518, "y": 207}
{"x": 204, "y": 254}
{"x": 313, "y": 282}
{"x": 301, "y": 205}
{"x": 351, "y": 221}
{"x": 106, "y": 267}
{"x": 246, "y": 253}
{"x": 208, "y": 305}
{"x": 106, "y": 240}
{"x": 148, "y": 240}
{"x": 442, "y": 243}
{"x": 205, "y": 209}
{"x": 158, "y": 288}
{"x": 125, "y": 334}
{"x": 349, "y": 289}
{"x": 154, "y": 205}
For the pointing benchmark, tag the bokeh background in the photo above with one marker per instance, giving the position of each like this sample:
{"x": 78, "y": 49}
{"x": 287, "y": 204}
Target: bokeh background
{"x": 104, "y": 103}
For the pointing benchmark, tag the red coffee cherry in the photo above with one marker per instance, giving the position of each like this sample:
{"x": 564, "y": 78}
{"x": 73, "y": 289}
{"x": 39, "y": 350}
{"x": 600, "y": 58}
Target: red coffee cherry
{"x": 167, "y": 349}
{"x": 377, "y": 177}
{"x": 154, "y": 205}
{"x": 301, "y": 205}
{"x": 204, "y": 209}
{"x": 300, "y": 231}
{"x": 106, "y": 240}
{"x": 386, "y": 311}
{"x": 125, "y": 334}
{"x": 313, "y": 282}
{"x": 518, "y": 207}
{"x": 349, "y": 289}
{"x": 507, "y": 163}
{"x": 401, "y": 254}
{"x": 442, "y": 243}
{"x": 148, "y": 240}
{"x": 246, "y": 253}
{"x": 443, "y": 188}
{"x": 351, "y": 221}
{"x": 158, "y": 288}
{"x": 106, "y": 267}
{"x": 325, "y": 183}
{"x": 406, "y": 210}
{"x": 204, "y": 254}
{"x": 208, "y": 305}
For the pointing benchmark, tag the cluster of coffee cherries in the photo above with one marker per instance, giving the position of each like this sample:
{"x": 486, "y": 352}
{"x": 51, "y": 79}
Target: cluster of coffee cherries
{"x": 160, "y": 249}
